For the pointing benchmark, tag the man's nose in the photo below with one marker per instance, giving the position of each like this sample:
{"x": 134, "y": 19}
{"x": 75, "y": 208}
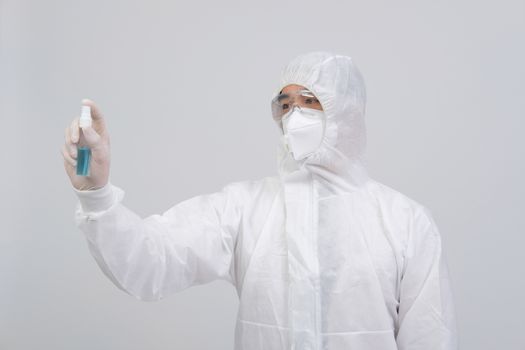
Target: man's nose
{"x": 296, "y": 103}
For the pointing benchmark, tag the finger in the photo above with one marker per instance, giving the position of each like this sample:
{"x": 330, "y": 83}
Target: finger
{"x": 67, "y": 157}
{"x": 91, "y": 136}
{"x": 68, "y": 166}
{"x": 96, "y": 115}
{"x": 74, "y": 130}
{"x": 72, "y": 148}
{"x": 66, "y": 135}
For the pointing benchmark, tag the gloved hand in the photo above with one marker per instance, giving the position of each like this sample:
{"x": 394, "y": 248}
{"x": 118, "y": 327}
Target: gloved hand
{"x": 95, "y": 137}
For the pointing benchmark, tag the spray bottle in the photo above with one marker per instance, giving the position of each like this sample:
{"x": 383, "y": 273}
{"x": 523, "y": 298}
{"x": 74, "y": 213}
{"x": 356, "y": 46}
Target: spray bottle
{"x": 84, "y": 152}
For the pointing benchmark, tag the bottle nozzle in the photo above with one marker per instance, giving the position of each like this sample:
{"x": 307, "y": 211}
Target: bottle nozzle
{"x": 85, "y": 117}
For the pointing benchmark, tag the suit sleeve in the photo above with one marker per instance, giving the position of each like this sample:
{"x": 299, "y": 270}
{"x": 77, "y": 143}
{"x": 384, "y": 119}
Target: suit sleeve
{"x": 426, "y": 314}
{"x": 149, "y": 258}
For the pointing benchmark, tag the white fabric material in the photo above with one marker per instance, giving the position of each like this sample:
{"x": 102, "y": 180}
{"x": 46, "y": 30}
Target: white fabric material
{"x": 321, "y": 256}
{"x": 303, "y": 131}
{"x": 96, "y": 200}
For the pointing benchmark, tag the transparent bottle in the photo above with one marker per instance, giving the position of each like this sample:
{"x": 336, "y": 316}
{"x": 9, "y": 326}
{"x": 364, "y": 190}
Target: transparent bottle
{"x": 83, "y": 151}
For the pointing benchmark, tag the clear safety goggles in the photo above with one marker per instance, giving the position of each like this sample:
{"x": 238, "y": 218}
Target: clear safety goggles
{"x": 283, "y": 103}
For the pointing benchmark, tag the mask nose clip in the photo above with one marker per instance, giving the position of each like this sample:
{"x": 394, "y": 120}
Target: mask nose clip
{"x": 291, "y": 111}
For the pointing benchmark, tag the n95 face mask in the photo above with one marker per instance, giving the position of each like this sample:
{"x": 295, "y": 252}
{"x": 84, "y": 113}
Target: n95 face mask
{"x": 303, "y": 130}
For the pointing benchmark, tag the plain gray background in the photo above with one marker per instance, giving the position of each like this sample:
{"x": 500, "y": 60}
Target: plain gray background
{"x": 185, "y": 88}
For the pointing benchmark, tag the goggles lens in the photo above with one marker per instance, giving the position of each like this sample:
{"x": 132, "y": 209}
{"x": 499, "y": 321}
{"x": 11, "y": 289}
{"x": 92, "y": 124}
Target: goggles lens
{"x": 284, "y": 102}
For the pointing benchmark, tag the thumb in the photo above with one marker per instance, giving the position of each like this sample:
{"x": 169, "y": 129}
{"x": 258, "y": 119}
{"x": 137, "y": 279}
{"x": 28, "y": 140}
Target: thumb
{"x": 96, "y": 115}
{"x": 91, "y": 136}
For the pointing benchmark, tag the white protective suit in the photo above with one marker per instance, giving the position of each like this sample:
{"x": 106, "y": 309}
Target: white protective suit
{"x": 321, "y": 255}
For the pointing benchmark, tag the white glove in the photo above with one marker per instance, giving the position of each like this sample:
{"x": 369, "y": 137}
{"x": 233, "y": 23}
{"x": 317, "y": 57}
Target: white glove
{"x": 95, "y": 137}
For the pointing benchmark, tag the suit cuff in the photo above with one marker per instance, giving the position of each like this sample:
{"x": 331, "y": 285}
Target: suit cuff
{"x": 96, "y": 200}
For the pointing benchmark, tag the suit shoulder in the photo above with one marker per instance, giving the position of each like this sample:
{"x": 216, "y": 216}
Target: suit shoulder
{"x": 410, "y": 219}
{"x": 395, "y": 200}
{"x": 255, "y": 187}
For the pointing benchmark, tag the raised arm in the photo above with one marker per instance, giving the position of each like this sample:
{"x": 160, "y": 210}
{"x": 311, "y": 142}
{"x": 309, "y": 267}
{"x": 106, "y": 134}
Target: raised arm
{"x": 189, "y": 244}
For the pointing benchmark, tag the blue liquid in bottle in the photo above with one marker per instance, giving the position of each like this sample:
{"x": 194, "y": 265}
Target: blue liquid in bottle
{"x": 83, "y": 161}
{"x": 83, "y": 152}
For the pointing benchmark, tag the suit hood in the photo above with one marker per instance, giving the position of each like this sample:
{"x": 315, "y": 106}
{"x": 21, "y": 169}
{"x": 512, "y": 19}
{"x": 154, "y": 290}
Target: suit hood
{"x": 338, "y": 84}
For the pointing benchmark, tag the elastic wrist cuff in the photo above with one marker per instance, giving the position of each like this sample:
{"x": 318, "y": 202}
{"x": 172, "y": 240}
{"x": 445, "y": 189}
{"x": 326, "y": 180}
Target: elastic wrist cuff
{"x": 96, "y": 200}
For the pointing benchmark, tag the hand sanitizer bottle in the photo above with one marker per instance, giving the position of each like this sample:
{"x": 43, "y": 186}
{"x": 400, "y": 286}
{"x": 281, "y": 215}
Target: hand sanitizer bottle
{"x": 84, "y": 152}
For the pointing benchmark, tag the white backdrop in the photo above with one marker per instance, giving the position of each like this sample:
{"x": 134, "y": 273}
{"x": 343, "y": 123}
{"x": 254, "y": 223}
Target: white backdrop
{"x": 185, "y": 87}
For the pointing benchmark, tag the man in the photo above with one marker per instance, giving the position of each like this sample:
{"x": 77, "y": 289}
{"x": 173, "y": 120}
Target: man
{"x": 321, "y": 255}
